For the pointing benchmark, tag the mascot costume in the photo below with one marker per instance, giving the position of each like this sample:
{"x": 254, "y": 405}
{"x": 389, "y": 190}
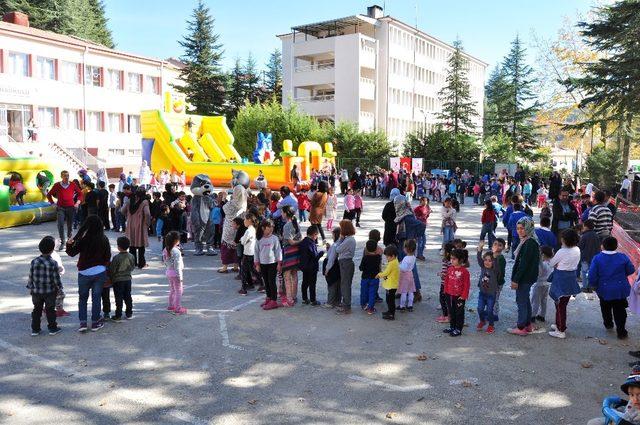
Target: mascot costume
{"x": 201, "y": 206}
{"x": 236, "y": 207}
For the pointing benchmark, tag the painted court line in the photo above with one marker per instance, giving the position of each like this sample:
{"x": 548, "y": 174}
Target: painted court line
{"x": 68, "y": 372}
{"x": 225, "y": 334}
{"x": 390, "y": 387}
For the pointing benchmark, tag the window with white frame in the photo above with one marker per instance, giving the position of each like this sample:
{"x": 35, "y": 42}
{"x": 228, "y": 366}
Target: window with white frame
{"x": 113, "y": 122}
{"x": 70, "y": 119}
{"x": 94, "y": 121}
{"x": 113, "y": 79}
{"x": 19, "y": 64}
{"x": 46, "y": 117}
{"x": 46, "y": 68}
{"x": 69, "y": 72}
{"x": 92, "y": 75}
{"x": 151, "y": 84}
{"x": 134, "y": 124}
{"x": 135, "y": 82}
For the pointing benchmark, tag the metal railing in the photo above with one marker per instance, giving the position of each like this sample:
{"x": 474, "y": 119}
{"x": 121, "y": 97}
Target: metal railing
{"x": 367, "y": 80}
{"x": 315, "y": 67}
{"x": 316, "y": 98}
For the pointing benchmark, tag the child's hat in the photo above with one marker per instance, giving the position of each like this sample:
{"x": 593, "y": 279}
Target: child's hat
{"x": 633, "y": 380}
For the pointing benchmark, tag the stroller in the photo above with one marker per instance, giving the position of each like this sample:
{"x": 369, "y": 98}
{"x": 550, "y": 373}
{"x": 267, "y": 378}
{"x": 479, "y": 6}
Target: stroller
{"x": 611, "y": 412}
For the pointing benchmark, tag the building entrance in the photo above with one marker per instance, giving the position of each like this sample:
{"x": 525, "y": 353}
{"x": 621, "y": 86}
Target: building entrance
{"x": 14, "y": 121}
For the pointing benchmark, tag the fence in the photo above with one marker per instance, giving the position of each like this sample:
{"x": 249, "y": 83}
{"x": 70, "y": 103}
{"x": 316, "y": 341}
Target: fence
{"x": 475, "y": 167}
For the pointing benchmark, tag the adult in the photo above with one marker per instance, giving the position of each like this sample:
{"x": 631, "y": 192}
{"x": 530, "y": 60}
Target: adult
{"x": 95, "y": 254}
{"x": 525, "y": 273}
{"x": 356, "y": 179}
{"x": 101, "y": 174}
{"x": 138, "y": 218}
{"x": 103, "y": 203}
{"x": 555, "y": 183}
{"x": 625, "y": 186}
{"x": 32, "y": 131}
{"x": 68, "y": 197}
{"x": 564, "y": 212}
{"x": 344, "y": 181}
{"x": 601, "y": 215}
{"x": 295, "y": 174}
{"x": 144, "y": 175}
{"x": 389, "y": 217}
{"x": 318, "y": 204}
{"x": 236, "y": 207}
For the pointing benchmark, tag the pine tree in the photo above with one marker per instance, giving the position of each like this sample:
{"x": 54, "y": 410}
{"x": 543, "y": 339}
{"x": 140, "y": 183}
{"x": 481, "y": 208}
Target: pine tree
{"x": 458, "y": 110}
{"x": 100, "y": 31}
{"x": 252, "y": 88}
{"x": 495, "y": 110}
{"x": 237, "y": 95}
{"x": 204, "y": 82}
{"x": 273, "y": 76}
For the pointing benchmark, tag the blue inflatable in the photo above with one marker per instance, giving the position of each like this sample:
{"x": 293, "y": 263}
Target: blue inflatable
{"x": 264, "y": 154}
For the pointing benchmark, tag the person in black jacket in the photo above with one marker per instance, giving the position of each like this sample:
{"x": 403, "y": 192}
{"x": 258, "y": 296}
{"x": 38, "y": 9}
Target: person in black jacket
{"x": 389, "y": 217}
{"x": 565, "y": 215}
{"x": 103, "y": 204}
{"x": 370, "y": 267}
{"x": 309, "y": 257}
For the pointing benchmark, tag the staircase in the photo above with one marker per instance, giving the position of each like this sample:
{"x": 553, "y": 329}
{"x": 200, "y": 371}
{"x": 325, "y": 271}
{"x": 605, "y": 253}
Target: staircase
{"x": 50, "y": 151}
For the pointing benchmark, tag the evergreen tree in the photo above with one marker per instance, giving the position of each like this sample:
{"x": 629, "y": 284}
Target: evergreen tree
{"x": 458, "y": 110}
{"x": 495, "y": 110}
{"x": 204, "y": 82}
{"x": 273, "y": 76}
{"x": 252, "y": 89}
{"x": 236, "y": 96}
{"x": 99, "y": 30}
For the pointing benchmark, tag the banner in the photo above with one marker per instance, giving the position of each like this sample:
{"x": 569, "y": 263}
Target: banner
{"x": 405, "y": 164}
{"x": 416, "y": 165}
{"x": 394, "y": 164}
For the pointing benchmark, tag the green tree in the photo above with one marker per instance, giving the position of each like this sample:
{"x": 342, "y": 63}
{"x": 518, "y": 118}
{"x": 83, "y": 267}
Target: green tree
{"x": 252, "y": 89}
{"x": 495, "y": 112}
{"x": 350, "y": 142}
{"x": 204, "y": 82}
{"x": 442, "y": 145}
{"x": 499, "y": 147}
{"x": 604, "y": 166}
{"x": 236, "y": 94}
{"x": 99, "y": 30}
{"x": 458, "y": 110}
{"x": 273, "y": 76}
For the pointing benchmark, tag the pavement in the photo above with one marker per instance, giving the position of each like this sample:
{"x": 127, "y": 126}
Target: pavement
{"x": 229, "y": 362}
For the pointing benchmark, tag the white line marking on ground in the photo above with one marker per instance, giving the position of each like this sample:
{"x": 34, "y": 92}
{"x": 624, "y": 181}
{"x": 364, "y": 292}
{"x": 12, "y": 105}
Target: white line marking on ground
{"x": 225, "y": 334}
{"x": 68, "y": 372}
{"x": 466, "y": 381}
{"x": 390, "y": 387}
{"x": 246, "y": 303}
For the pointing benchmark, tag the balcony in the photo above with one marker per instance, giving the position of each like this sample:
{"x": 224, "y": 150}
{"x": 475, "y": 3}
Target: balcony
{"x": 367, "y": 121}
{"x": 314, "y": 74}
{"x": 368, "y": 57}
{"x": 367, "y": 88}
{"x": 317, "y": 105}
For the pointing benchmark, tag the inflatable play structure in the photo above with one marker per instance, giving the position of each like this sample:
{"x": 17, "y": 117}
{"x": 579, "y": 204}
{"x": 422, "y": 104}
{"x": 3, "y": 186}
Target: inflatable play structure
{"x": 175, "y": 141}
{"x": 36, "y": 209}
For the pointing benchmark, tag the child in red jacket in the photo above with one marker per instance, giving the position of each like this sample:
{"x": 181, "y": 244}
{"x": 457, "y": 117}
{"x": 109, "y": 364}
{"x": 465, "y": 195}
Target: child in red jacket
{"x": 303, "y": 205}
{"x": 456, "y": 286}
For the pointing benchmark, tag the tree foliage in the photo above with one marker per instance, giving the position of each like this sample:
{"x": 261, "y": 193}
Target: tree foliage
{"x": 252, "y": 89}
{"x": 236, "y": 91}
{"x": 273, "y": 76}
{"x": 350, "y": 142}
{"x": 442, "y": 145}
{"x": 604, "y": 166}
{"x": 204, "y": 82}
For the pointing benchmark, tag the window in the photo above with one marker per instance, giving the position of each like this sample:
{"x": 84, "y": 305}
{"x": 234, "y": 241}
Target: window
{"x": 69, "y": 72}
{"x": 134, "y": 124}
{"x": 151, "y": 84}
{"x": 46, "y": 68}
{"x": 47, "y": 117}
{"x": 113, "y": 123}
{"x": 92, "y": 76}
{"x": 94, "y": 121}
{"x": 70, "y": 119}
{"x": 19, "y": 64}
{"x": 135, "y": 82}
{"x": 113, "y": 79}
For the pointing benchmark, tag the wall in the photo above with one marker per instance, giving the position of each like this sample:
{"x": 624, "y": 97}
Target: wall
{"x": 347, "y": 97}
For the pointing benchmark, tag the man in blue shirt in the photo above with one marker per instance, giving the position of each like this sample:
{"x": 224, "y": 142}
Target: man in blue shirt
{"x": 545, "y": 235}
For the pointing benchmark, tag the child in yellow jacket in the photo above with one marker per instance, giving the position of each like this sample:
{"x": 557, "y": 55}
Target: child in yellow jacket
{"x": 391, "y": 275}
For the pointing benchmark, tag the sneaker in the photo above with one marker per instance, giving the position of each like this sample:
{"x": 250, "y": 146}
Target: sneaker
{"x": 401, "y": 309}
{"x": 442, "y": 319}
{"x": 55, "y": 331}
{"x": 129, "y": 316}
{"x": 558, "y": 334}
{"x": 266, "y": 301}
{"x": 553, "y": 327}
{"x": 623, "y": 335}
{"x": 518, "y": 331}
{"x": 455, "y": 332}
{"x": 410, "y": 309}
{"x": 490, "y": 329}
{"x": 378, "y": 299}
{"x": 62, "y": 246}
{"x": 371, "y": 311}
{"x": 242, "y": 292}
{"x": 96, "y": 326}
{"x": 105, "y": 317}
{"x": 62, "y": 313}
{"x": 306, "y": 302}
{"x": 171, "y": 308}
{"x": 270, "y": 305}
{"x": 387, "y": 316}
{"x": 529, "y": 328}
{"x": 180, "y": 311}
{"x": 261, "y": 290}
{"x": 447, "y": 330}
{"x": 327, "y": 305}
{"x": 480, "y": 325}
{"x": 82, "y": 327}
{"x": 284, "y": 302}
{"x": 116, "y": 319}
{"x": 315, "y": 303}
{"x": 343, "y": 311}
{"x": 35, "y": 333}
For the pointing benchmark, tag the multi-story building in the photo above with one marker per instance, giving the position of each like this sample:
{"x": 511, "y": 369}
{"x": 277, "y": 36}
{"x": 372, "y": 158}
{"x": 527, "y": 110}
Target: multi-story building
{"x": 371, "y": 69}
{"x": 81, "y": 96}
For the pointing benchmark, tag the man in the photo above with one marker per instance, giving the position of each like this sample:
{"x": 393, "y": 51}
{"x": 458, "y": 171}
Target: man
{"x": 624, "y": 188}
{"x": 103, "y": 204}
{"x": 601, "y": 215}
{"x": 565, "y": 215}
{"x": 65, "y": 191}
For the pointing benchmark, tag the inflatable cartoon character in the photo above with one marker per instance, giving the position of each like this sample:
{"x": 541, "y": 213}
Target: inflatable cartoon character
{"x": 241, "y": 178}
{"x": 264, "y": 154}
{"x": 201, "y": 205}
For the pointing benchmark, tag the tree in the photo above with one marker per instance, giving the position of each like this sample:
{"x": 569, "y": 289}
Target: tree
{"x": 458, "y": 110}
{"x": 273, "y": 76}
{"x": 252, "y": 89}
{"x": 98, "y": 30}
{"x": 495, "y": 114}
{"x": 442, "y": 145}
{"x": 236, "y": 94}
{"x": 350, "y": 142}
{"x": 499, "y": 148}
{"x": 604, "y": 166}
{"x": 204, "y": 82}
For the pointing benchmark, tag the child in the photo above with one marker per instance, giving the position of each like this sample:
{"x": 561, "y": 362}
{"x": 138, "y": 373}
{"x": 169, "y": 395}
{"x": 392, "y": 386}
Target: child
{"x": 172, "y": 258}
{"x": 589, "y": 247}
{"x": 488, "y": 221}
{"x": 540, "y": 289}
{"x": 163, "y": 222}
{"x": 43, "y": 284}
{"x": 303, "y": 205}
{"x": 248, "y": 242}
{"x": 488, "y": 284}
{"x": 216, "y": 217}
{"x": 545, "y": 211}
{"x": 331, "y": 272}
{"x": 60, "y": 295}
{"x": 496, "y": 249}
{"x": 456, "y": 287}
{"x": 422, "y": 213}
{"x": 608, "y": 275}
{"x": 346, "y": 250}
{"x": 268, "y": 261}
{"x": 113, "y": 199}
{"x": 16, "y": 186}
{"x": 370, "y": 267}
{"x": 391, "y": 275}
{"x": 564, "y": 281}
{"x": 542, "y": 196}
{"x": 446, "y": 263}
{"x": 357, "y": 206}
{"x": 448, "y": 222}
{"x": 120, "y": 270}
{"x": 238, "y": 226}
{"x": 331, "y": 208}
{"x": 349, "y": 205}
{"x": 309, "y": 257}
{"x": 406, "y": 284}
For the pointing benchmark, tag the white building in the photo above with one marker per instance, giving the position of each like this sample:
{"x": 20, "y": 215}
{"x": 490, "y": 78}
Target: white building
{"x": 371, "y": 69}
{"x": 83, "y": 97}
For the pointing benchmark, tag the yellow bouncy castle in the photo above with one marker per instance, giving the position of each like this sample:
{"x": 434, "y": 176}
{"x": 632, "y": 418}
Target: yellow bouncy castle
{"x": 175, "y": 141}
{"x": 36, "y": 209}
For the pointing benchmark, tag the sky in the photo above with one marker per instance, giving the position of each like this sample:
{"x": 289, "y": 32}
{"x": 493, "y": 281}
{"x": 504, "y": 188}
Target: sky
{"x": 486, "y": 27}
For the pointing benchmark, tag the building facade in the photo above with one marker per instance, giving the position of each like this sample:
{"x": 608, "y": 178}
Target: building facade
{"x": 371, "y": 69}
{"x": 80, "y": 95}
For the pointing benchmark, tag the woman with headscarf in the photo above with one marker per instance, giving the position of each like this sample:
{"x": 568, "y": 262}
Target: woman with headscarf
{"x": 525, "y": 273}
{"x": 389, "y": 217}
{"x": 318, "y": 204}
{"x": 138, "y": 218}
{"x": 408, "y": 227}
{"x": 232, "y": 209}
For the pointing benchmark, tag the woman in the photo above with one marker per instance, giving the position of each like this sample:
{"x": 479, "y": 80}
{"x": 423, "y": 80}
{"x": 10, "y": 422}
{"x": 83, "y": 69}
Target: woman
{"x": 138, "y": 218}
{"x": 525, "y": 273}
{"x": 345, "y": 252}
{"x": 295, "y": 175}
{"x": 408, "y": 227}
{"x": 144, "y": 175}
{"x": 232, "y": 209}
{"x": 291, "y": 237}
{"x": 95, "y": 255}
{"x": 318, "y": 204}
{"x": 389, "y": 216}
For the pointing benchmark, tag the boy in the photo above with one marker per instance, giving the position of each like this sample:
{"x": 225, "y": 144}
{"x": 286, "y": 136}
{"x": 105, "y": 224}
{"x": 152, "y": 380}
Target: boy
{"x": 391, "y": 275}
{"x": 627, "y": 412}
{"x": 44, "y": 283}
{"x": 544, "y": 234}
{"x": 370, "y": 267}
{"x": 309, "y": 257}
{"x": 497, "y": 248}
{"x": 120, "y": 270}
{"x": 589, "y": 246}
{"x": 113, "y": 199}
{"x": 303, "y": 205}
{"x": 488, "y": 285}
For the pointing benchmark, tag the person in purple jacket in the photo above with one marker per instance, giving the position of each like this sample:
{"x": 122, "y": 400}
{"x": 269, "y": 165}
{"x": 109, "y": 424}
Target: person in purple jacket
{"x": 608, "y": 276}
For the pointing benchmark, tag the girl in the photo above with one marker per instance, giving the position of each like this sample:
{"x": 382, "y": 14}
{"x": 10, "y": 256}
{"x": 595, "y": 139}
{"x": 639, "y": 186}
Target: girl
{"x": 406, "y": 284}
{"x": 456, "y": 288}
{"x": 357, "y": 207}
{"x": 488, "y": 223}
{"x": 448, "y": 222}
{"x": 16, "y": 186}
{"x": 564, "y": 279}
{"x": 390, "y": 275}
{"x": 172, "y": 258}
{"x": 476, "y": 193}
{"x": 138, "y": 217}
{"x": 349, "y": 205}
{"x": 291, "y": 237}
{"x": 542, "y": 195}
{"x": 488, "y": 285}
{"x": 422, "y": 213}
{"x": 446, "y": 263}
{"x": 331, "y": 208}
{"x": 248, "y": 242}
{"x": 540, "y": 290}
{"x": 331, "y": 272}
{"x": 318, "y": 207}
{"x": 268, "y": 261}
{"x": 346, "y": 251}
